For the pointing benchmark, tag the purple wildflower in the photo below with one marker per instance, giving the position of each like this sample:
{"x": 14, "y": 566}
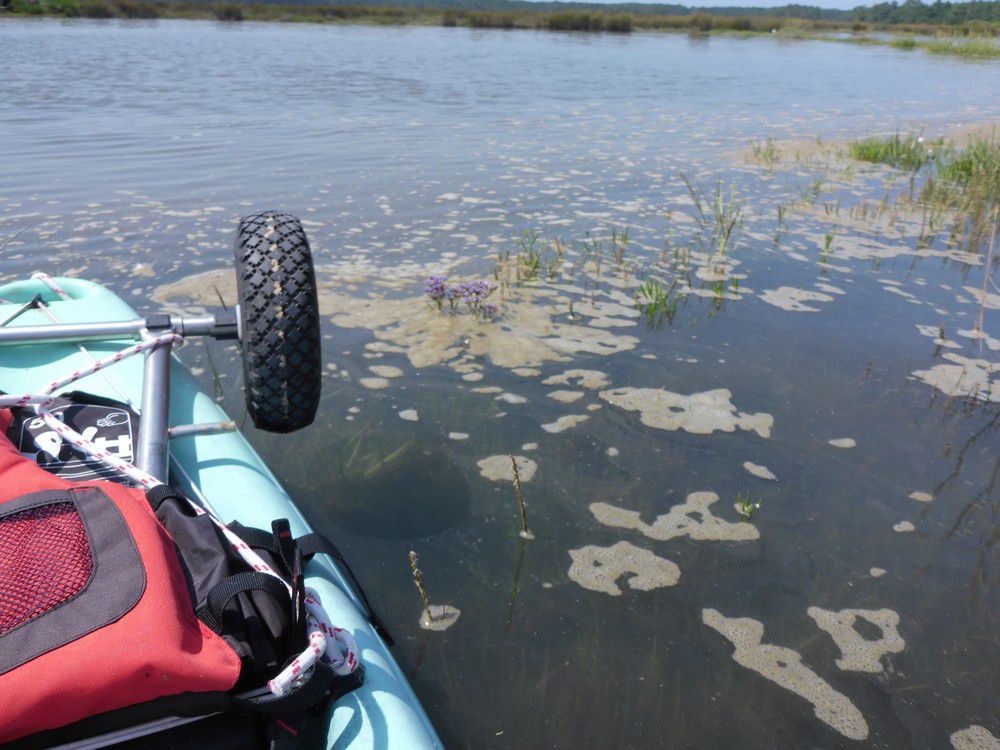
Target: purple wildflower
{"x": 435, "y": 287}
{"x": 473, "y": 293}
{"x": 476, "y": 292}
{"x": 490, "y": 311}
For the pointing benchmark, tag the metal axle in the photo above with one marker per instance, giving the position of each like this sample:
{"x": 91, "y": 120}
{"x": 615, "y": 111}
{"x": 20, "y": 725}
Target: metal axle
{"x": 220, "y": 325}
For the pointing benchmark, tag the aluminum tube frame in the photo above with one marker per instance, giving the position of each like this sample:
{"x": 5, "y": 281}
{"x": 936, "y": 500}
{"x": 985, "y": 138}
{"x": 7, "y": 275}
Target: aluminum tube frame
{"x": 119, "y": 329}
{"x": 200, "y": 325}
{"x": 207, "y": 428}
{"x": 151, "y": 445}
{"x": 152, "y": 442}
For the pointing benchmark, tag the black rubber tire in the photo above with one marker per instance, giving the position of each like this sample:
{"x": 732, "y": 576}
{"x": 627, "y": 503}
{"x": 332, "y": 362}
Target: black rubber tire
{"x": 279, "y": 321}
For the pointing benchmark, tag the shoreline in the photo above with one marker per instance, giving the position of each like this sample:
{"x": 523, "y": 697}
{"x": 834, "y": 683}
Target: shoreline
{"x": 976, "y": 40}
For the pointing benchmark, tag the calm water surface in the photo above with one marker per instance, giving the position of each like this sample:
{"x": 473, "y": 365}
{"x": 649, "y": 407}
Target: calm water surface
{"x": 130, "y": 149}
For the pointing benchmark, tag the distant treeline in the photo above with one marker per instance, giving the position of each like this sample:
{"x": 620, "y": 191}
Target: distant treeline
{"x": 914, "y": 11}
{"x": 632, "y": 8}
{"x": 909, "y": 12}
{"x": 940, "y": 17}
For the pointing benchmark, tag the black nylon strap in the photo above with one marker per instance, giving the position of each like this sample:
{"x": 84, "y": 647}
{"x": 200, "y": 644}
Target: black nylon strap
{"x": 256, "y": 538}
{"x": 317, "y": 544}
{"x": 284, "y": 543}
{"x": 158, "y": 494}
{"x": 299, "y": 593}
{"x": 223, "y": 592}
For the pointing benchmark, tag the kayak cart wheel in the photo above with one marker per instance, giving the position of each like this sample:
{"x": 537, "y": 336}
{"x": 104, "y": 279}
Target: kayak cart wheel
{"x": 279, "y": 321}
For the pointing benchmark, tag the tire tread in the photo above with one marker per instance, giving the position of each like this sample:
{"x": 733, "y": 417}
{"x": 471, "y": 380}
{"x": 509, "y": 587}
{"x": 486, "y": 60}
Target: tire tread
{"x": 279, "y": 314}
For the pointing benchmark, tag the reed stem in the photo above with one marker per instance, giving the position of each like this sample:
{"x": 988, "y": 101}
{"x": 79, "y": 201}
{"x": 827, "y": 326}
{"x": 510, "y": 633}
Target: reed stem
{"x": 418, "y": 580}
{"x": 520, "y": 501}
{"x": 987, "y": 268}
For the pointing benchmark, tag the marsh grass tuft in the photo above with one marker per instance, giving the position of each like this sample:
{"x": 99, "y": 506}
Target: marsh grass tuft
{"x": 966, "y": 182}
{"x": 619, "y": 243}
{"x": 529, "y": 256}
{"x": 975, "y": 48}
{"x": 910, "y": 152}
{"x": 960, "y": 185}
{"x": 728, "y": 216}
{"x": 827, "y": 243}
{"x": 978, "y": 162}
{"x": 720, "y": 218}
{"x": 745, "y": 506}
{"x": 656, "y": 301}
{"x": 765, "y": 151}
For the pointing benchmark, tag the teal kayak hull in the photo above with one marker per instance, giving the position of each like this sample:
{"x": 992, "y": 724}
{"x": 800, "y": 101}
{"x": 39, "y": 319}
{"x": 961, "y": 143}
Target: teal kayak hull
{"x": 225, "y": 472}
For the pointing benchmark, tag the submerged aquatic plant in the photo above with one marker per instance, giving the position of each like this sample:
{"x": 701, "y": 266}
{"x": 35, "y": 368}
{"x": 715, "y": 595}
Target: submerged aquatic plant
{"x": 745, "y": 506}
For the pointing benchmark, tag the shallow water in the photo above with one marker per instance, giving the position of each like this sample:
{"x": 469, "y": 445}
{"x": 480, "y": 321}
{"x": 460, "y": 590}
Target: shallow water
{"x": 129, "y": 150}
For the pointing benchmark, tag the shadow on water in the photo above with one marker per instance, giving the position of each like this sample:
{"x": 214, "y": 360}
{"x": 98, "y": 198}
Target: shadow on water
{"x": 393, "y": 489}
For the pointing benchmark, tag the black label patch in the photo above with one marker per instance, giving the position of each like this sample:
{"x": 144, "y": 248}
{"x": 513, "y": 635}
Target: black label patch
{"x": 111, "y": 427}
